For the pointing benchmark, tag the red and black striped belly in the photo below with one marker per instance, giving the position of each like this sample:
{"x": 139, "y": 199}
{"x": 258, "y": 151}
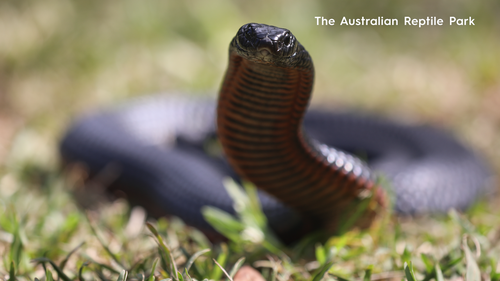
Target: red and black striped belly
{"x": 259, "y": 119}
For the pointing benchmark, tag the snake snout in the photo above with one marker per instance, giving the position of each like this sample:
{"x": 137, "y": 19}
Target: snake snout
{"x": 264, "y": 40}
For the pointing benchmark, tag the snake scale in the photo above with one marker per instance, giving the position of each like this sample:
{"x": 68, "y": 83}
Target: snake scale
{"x": 302, "y": 162}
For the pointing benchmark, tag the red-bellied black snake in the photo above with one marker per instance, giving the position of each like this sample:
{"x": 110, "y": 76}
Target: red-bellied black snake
{"x": 268, "y": 139}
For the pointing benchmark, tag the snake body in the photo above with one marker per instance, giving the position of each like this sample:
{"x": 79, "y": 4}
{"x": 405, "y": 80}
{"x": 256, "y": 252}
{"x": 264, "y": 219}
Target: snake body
{"x": 300, "y": 161}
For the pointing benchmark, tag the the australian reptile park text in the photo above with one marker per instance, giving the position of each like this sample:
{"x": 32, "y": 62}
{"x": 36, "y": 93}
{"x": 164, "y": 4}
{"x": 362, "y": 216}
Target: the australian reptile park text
{"x": 428, "y": 21}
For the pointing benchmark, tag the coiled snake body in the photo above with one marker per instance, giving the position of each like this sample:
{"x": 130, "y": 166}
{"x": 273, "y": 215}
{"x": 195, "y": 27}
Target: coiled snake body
{"x": 267, "y": 140}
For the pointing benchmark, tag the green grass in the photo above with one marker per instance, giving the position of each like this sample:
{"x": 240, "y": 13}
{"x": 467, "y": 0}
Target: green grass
{"x": 60, "y": 58}
{"x": 42, "y": 232}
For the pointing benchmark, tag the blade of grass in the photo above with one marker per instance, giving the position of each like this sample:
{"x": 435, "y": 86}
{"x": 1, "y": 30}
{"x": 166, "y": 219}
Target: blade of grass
{"x": 320, "y": 254}
{"x": 174, "y": 266}
{"x": 80, "y": 271}
{"x": 194, "y": 257}
{"x": 223, "y": 270}
{"x": 254, "y": 204}
{"x": 224, "y": 223}
{"x": 439, "y": 273}
{"x": 63, "y": 262}
{"x": 60, "y": 273}
{"x": 152, "y": 275}
{"x": 359, "y": 209}
{"x": 452, "y": 263}
{"x": 339, "y": 278}
{"x": 427, "y": 262}
{"x": 101, "y": 265}
{"x": 368, "y": 273}
{"x": 274, "y": 268}
{"x": 495, "y": 276}
{"x": 123, "y": 276}
{"x": 48, "y": 275}
{"x": 167, "y": 254}
{"x": 274, "y": 271}
{"x": 322, "y": 272}
{"x": 106, "y": 248}
{"x": 472, "y": 273}
{"x": 140, "y": 265}
{"x": 187, "y": 275}
{"x": 221, "y": 259}
{"x": 236, "y": 266}
{"x": 16, "y": 248}
{"x": 410, "y": 275}
{"x": 250, "y": 212}
{"x": 12, "y": 271}
{"x": 466, "y": 225}
{"x": 406, "y": 256}
{"x": 444, "y": 267}
{"x": 165, "y": 269}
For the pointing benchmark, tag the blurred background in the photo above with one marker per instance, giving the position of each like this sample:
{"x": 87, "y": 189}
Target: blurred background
{"x": 61, "y": 58}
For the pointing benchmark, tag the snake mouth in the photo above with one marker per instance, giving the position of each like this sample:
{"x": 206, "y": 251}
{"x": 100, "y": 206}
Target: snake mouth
{"x": 264, "y": 44}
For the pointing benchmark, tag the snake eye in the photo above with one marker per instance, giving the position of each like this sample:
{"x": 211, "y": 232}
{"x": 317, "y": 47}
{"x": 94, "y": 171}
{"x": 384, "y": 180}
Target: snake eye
{"x": 287, "y": 40}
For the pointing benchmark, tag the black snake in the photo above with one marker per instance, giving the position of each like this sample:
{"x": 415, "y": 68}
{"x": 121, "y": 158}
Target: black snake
{"x": 157, "y": 145}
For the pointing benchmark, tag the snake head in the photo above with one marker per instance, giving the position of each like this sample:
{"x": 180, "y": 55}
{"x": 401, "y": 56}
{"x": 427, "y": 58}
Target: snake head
{"x": 267, "y": 44}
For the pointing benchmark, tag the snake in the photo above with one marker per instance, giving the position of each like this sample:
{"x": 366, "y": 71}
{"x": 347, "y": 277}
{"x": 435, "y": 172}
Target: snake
{"x": 312, "y": 167}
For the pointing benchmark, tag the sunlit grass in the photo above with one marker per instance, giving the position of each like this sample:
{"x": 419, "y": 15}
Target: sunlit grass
{"x": 43, "y": 232}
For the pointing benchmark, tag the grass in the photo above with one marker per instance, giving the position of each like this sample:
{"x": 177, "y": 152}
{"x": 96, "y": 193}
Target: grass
{"x": 43, "y": 233}
{"x": 60, "y": 58}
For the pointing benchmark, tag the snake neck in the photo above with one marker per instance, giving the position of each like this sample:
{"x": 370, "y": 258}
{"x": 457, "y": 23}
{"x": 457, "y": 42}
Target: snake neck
{"x": 259, "y": 123}
{"x": 260, "y": 114}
